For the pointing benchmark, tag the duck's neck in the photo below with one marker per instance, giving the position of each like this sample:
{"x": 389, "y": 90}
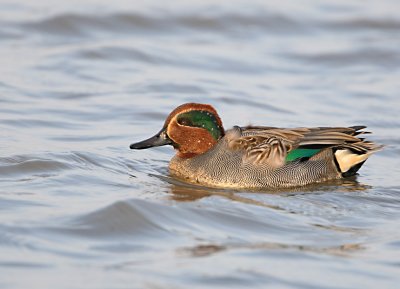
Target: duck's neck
{"x": 186, "y": 155}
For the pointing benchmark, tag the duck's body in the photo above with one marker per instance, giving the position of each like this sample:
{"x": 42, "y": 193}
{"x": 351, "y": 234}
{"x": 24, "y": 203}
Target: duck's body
{"x": 257, "y": 157}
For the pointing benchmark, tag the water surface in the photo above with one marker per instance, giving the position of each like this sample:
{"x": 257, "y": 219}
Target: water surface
{"x": 81, "y": 81}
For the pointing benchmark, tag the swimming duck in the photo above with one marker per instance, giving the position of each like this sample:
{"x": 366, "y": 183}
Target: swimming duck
{"x": 259, "y": 157}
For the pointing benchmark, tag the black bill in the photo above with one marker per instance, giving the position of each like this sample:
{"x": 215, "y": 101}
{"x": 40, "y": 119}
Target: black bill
{"x": 159, "y": 139}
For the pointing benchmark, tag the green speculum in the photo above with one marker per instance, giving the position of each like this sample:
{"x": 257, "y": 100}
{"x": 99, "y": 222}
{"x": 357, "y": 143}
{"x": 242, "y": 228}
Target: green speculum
{"x": 301, "y": 153}
{"x": 202, "y": 119}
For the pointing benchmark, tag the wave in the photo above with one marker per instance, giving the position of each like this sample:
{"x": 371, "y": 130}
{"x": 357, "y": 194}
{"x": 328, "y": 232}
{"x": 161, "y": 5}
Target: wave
{"x": 80, "y": 24}
{"x": 228, "y": 23}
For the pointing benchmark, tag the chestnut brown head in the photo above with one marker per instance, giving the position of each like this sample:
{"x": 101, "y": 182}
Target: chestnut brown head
{"x": 191, "y": 128}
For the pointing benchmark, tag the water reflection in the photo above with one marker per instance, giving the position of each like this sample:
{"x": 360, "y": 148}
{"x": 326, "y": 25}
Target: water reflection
{"x": 82, "y": 79}
{"x": 184, "y": 192}
{"x": 205, "y": 250}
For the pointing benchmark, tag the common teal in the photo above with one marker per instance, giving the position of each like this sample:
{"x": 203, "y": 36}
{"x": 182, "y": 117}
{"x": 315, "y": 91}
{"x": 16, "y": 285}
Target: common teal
{"x": 257, "y": 156}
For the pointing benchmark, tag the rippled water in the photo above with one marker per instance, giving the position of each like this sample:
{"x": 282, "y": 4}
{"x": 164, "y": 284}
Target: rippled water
{"x": 81, "y": 80}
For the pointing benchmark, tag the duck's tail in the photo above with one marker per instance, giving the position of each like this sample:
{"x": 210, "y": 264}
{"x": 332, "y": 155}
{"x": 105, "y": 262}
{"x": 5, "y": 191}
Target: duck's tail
{"x": 350, "y": 157}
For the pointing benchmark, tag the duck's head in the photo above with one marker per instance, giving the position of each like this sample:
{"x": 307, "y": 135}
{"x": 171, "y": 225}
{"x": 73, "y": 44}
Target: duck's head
{"x": 191, "y": 128}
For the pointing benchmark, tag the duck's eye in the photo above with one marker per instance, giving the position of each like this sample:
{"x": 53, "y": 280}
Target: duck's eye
{"x": 201, "y": 119}
{"x": 185, "y": 121}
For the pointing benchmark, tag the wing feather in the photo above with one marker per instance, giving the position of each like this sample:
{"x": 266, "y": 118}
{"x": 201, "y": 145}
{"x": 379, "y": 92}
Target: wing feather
{"x": 270, "y": 145}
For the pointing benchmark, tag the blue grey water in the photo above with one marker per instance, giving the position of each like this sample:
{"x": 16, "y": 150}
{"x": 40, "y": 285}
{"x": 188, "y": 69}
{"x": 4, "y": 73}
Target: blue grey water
{"x": 81, "y": 80}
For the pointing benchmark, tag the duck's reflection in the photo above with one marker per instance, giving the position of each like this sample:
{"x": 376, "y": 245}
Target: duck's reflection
{"x": 343, "y": 250}
{"x": 184, "y": 192}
